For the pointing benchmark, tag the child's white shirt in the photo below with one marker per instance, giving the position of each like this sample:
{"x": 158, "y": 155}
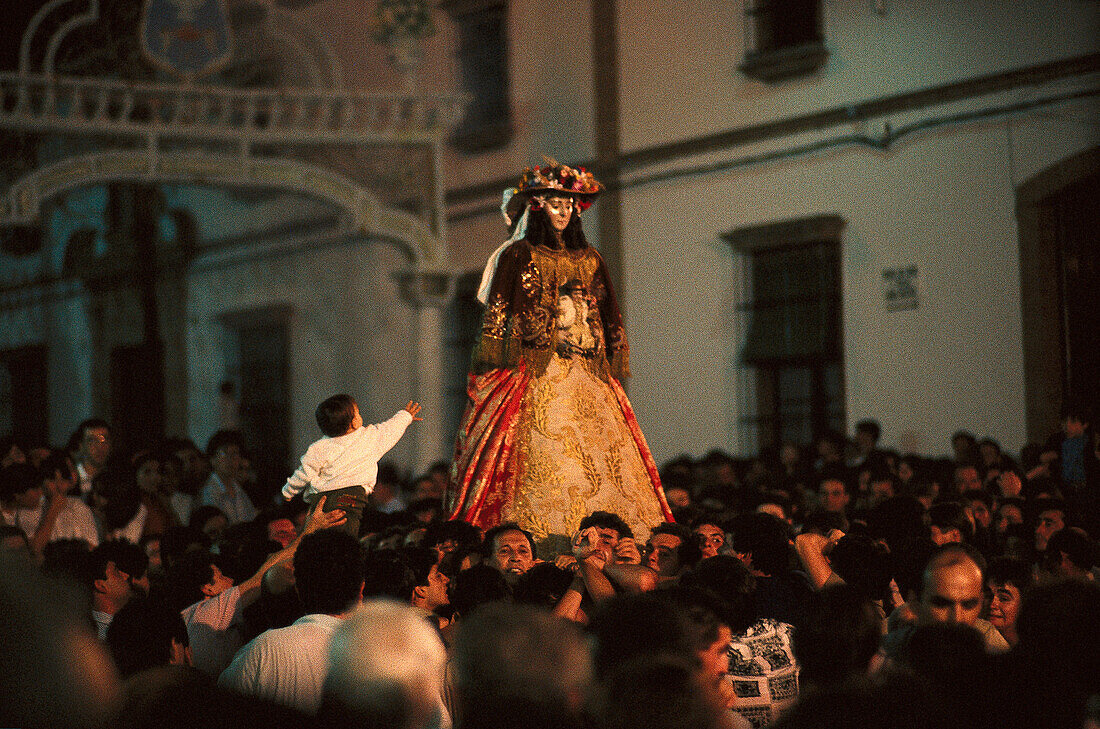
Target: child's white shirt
{"x": 346, "y": 460}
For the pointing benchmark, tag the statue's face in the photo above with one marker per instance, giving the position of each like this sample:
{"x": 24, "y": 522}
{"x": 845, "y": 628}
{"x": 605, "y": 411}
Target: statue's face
{"x": 559, "y": 210}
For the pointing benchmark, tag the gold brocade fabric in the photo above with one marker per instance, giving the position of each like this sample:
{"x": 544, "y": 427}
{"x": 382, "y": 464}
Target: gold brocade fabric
{"x": 577, "y": 456}
{"x": 522, "y": 320}
{"x": 548, "y": 435}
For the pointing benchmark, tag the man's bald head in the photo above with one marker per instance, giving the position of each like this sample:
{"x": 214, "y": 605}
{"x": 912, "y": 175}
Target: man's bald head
{"x": 951, "y": 587}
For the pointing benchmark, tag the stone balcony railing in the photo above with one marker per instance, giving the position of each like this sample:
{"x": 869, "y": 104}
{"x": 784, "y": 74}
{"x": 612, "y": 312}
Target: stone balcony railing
{"x": 44, "y": 103}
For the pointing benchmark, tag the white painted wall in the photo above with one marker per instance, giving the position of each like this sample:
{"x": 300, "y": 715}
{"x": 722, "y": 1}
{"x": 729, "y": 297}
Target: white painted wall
{"x": 679, "y": 62}
{"x": 943, "y": 201}
{"x": 349, "y": 331}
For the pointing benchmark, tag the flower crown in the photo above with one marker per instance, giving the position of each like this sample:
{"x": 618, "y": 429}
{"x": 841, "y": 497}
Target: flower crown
{"x": 551, "y": 177}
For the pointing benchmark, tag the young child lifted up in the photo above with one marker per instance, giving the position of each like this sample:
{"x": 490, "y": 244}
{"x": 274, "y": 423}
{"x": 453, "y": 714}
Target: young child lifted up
{"x": 344, "y": 464}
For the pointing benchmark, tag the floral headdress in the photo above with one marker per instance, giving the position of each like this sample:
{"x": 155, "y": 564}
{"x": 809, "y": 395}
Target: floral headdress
{"x": 551, "y": 177}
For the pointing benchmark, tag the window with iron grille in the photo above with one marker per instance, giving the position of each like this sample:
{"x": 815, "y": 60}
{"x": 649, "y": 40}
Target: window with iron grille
{"x": 791, "y": 356}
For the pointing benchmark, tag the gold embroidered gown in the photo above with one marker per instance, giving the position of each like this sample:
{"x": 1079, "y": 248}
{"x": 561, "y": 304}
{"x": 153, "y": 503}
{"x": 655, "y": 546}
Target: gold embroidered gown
{"x": 548, "y": 435}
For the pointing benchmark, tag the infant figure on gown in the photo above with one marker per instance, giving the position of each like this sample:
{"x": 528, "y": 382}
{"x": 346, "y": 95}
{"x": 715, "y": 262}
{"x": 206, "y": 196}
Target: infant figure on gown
{"x": 574, "y": 336}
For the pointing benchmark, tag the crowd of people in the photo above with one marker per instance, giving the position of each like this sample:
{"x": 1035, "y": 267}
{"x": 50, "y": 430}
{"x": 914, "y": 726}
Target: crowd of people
{"x": 840, "y": 585}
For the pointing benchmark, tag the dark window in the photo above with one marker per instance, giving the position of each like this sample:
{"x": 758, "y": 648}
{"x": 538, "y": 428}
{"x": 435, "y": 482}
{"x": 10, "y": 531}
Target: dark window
{"x": 137, "y": 395}
{"x": 259, "y": 369}
{"x": 792, "y": 348}
{"x": 784, "y": 39}
{"x": 483, "y": 57}
{"x": 24, "y": 406}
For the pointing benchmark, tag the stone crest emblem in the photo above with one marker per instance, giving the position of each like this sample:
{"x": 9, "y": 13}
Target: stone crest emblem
{"x": 187, "y": 38}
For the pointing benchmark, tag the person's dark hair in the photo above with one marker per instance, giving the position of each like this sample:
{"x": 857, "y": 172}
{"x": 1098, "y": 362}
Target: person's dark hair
{"x": 1019, "y": 541}
{"x": 66, "y": 559}
{"x": 896, "y": 699}
{"x": 708, "y": 517}
{"x": 899, "y": 521}
{"x": 17, "y": 479}
{"x": 1029, "y": 456}
{"x": 452, "y": 562}
{"x": 488, "y": 545}
{"x": 766, "y": 538}
{"x": 835, "y": 472}
{"x": 658, "y": 691}
{"x": 131, "y": 559}
{"x": 141, "y": 459}
{"x": 123, "y": 499}
{"x": 8, "y": 442}
{"x": 979, "y": 495}
{"x": 334, "y": 415}
{"x": 166, "y": 457}
{"x": 203, "y": 514}
{"x": 1075, "y": 544}
{"x": 420, "y": 560}
{"x": 56, "y": 462}
{"x": 386, "y": 573}
{"x": 10, "y": 530}
{"x": 540, "y": 232}
{"x": 915, "y": 462}
{"x": 185, "y": 579}
{"x": 462, "y": 533}
{"x": 834, "y": 438}
{"x": 729, "y": 579}
{"x": 822, "y": 522}
{"x": 542, "y": 586}
{"x": 141, "y": 633}
{"x": 966, "y": 436}
{"x": 1078, "y": 411}
{"x": 119, "y": 552}
{"x": 178, "y": 540}
{"x": 878, "y": 471}
{"x": 517, "y": 666}
{"x": 1050, "y": 504}
{"x": 86, "y": 425}
{"x": 223, "y": 438}
{"x": 702, "y": 612}
{"x": 327, "y": 571}
{"x": 634, "y": 625}
{"x": 947, "y": 515}
{"x": 839, "y": 637}
{"x": 688, "y": 553}
{"x": 478, "y": 585}
{"x": 871, "y": 428}
{"x": 991, "y": 442}
{"x": 1011, "y": 571}
{"x": 864, "y": 564}
{"x": 427, "y": 504}
{"x": 607, "y": 520}
{"x": 937, "y": 649}
{"x": 952, "y": 657}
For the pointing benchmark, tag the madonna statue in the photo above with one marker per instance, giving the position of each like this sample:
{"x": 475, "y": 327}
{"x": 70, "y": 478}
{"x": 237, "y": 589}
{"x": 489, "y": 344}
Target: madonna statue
{"x": 548, "y": 435}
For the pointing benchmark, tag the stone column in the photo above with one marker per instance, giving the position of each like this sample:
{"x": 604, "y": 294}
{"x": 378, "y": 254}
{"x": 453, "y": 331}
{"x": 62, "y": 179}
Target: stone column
{"x": 429, "y": 292}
